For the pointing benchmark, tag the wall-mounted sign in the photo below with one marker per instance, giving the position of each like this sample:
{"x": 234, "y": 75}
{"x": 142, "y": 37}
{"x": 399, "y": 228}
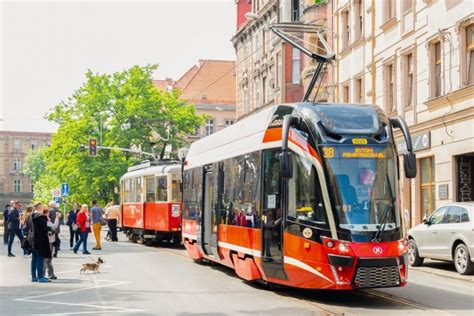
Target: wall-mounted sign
{"x": 419, "y": 141}
{"x": 465, "y": 178}
{"x": 443, "y": 193}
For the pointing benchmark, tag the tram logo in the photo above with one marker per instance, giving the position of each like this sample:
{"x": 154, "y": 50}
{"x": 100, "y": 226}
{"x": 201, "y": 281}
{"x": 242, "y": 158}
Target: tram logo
{"x": 377, "y": 250}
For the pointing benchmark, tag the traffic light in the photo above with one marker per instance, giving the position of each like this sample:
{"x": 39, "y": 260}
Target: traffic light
{"x": 92, "y": 147}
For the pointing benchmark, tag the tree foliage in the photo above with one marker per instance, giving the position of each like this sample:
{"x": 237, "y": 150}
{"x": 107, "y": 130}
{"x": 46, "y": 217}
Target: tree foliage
{"x": 123, "y": 110}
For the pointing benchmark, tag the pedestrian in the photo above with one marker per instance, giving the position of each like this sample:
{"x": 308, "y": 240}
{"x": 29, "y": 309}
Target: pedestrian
{"x": 53, "y": 211}
{"x": 48, "y": 262}
{"x": 5, "y": 222}
{"x": 39, "y": 243}
{"x": 14, "y": 226}
{"x": 71, "y": 222}
{"x": 83, "y": 223}
{"x": 112, "y": 214}
{"x": 97, "y": 213}
{"x": 24, "y": 228}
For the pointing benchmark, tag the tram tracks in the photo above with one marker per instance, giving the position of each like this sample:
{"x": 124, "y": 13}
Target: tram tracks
{"x": 326, "y": 304}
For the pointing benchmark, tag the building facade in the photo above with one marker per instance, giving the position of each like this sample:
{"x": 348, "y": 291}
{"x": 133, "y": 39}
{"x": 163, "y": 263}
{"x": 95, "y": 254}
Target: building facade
{"x": 210, "y": 86}
{"x": 415, "y": 59}
{"x": 14, "y": 146}
{"x": 268, "y": 71}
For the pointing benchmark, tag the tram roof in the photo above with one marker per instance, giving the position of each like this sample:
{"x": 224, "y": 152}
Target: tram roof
{"x": 246, "y": 135}
{"x": 243, "y": 137}
{"x": 153, "y": 170}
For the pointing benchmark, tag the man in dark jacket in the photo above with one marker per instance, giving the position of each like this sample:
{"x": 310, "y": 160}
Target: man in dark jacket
{"x": 39, "y": 243}
{"x": 5, "y": 224}
{"x": 14, "y": 226}
{"x": 53, "y": 211}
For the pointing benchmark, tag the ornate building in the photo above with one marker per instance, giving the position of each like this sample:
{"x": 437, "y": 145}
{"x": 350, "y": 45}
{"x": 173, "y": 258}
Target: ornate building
{"x": 14, "y": 146}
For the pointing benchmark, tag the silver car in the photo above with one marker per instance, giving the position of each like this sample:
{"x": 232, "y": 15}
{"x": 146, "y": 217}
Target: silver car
{"x": 447, "y": 234}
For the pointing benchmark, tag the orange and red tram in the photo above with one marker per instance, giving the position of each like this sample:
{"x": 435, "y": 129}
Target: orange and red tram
{"x": 304, "y": 195}
{"x": 151, "y": 202}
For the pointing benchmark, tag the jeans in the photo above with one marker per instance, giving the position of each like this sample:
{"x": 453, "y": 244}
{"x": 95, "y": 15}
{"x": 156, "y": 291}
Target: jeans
{"x": 73, "y": 237}
{"x": 113, "y": 228}
{"x": 37, "y": 265}
{"x": 83, "y": 241}
{"x": 11, "y": 237}
{"x": 96, "y": 227}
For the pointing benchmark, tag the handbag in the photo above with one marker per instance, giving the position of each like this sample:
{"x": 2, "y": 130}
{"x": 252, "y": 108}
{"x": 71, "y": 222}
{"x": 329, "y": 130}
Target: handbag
{"x": 103, "y": 221}
{"x": 75, "y": 227}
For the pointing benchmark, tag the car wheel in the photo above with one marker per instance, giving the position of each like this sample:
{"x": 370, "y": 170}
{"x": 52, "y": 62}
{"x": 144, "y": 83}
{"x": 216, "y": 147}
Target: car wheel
{"x": 413, "y": 258}
{"x": 462, "y": 260}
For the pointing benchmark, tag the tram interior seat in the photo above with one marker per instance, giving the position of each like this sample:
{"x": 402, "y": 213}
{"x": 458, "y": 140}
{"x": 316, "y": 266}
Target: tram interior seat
{"x": 348, "y": 192}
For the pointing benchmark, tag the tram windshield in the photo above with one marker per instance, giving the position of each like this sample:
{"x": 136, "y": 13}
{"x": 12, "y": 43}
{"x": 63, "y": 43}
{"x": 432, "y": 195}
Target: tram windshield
{"x": 363, "y": 180}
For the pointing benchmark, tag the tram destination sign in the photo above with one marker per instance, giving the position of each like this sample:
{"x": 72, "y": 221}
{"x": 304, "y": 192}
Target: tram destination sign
{"x": 420, "y": 141}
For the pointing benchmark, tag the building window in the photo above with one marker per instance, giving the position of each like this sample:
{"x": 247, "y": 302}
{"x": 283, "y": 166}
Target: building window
{"x": 389, "y": 10}
{"x": 16, "y": 164}
{"x": 427, "y": 185}
{"x": 407, "y": 5}
{"x": 295, "y": 65}
{"x": 358, "y": 19}
{"x": 435, "y": 69}
{"x": 346, "y": 29}
{"x": 17, "y": 144}
{"x": 16, "y": 186}
{"x": 229, "y": 122}
{"x": 256, "y": 87}
{"x": 409, "y": 82}
{"x": 209, "y": 127}
{"x": 469, "y": 55}
{"x": 358, "y": 90}
{"x": 33, "y": 145}
{"x": 295, "y": 10}
{"x": 279, "y": 70}
{"x": 246, "y": 101}
{"x": 389, "y": 80}
{"x": 264, "y": 87}
{"x": 345, "y": 93}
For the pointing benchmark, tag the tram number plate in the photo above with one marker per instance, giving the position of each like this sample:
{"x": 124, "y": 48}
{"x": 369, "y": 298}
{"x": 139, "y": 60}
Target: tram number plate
{"x": 175, "y": 210}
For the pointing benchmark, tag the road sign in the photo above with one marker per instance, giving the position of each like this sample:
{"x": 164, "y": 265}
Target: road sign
{"x": 57, "y": 200}
{"x": 56, "y": 193}
{"x": 64, "y": 189}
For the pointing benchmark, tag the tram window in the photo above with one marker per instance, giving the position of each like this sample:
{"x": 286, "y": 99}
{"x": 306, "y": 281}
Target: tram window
{"x": 271, "y": 176}
{"x": 127, "y": 190}
{"x": 150, "y": 189}
{"x": 304, "y": 193}
{"x": 138, "y": 190}
{"x": 175, "y": 190}
{"x": 161, "y": 189}
{"x": 240, "y": 198}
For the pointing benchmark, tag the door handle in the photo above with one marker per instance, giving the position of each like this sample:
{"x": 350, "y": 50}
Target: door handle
{"x": 453, "y": 231}
{"x": 434, "y": 233}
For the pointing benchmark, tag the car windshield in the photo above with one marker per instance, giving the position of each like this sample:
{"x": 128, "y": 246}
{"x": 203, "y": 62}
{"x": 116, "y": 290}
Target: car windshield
{"x": 363, "y": 184}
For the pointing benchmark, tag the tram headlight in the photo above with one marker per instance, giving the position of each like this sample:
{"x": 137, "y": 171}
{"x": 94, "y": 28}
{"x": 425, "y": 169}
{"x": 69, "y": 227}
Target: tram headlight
{"x": 330, "y": 244}
{"x": 343, "y": 248}
{"x": 402, "y": 245}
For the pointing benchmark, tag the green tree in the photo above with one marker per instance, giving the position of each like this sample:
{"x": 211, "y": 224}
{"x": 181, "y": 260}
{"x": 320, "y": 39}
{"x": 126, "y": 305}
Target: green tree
{"x": 119, "y": 110}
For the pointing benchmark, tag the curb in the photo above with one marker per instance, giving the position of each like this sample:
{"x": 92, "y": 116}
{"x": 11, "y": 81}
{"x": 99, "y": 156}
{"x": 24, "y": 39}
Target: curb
{"x": 449, "y": 275}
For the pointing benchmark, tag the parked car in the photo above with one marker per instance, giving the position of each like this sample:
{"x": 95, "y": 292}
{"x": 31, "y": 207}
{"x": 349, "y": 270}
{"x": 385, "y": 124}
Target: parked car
{"x": 447, "y": 234}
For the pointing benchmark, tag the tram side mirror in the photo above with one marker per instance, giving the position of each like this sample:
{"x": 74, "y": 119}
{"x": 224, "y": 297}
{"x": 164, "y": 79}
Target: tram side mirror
{"x": 409, "y": 163}
{"x": 286, "y": 167}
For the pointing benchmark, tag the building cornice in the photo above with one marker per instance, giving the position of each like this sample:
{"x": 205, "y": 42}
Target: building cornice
{"x": 465, "y": 93}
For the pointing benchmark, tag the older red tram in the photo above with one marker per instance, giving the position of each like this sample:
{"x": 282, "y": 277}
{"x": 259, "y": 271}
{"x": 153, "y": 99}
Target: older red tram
{"x": 151, "y": 202}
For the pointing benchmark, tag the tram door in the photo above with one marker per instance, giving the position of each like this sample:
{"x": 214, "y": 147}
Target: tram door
{"x": 208, "y": 209}
{"x": 272, "y": 219}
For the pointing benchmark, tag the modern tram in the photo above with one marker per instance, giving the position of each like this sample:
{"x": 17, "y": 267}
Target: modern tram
{"x": 151, "y": 202}
{"x": 304, "y": 195}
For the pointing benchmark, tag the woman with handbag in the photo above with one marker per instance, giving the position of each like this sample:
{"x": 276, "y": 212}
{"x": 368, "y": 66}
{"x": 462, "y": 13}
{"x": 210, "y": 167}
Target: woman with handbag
{"x": 84, "y": 227}
{"x": 71, "y": 222}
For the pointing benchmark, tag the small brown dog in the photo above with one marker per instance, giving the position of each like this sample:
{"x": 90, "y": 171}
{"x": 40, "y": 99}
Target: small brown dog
{"x": 92, "y": 266}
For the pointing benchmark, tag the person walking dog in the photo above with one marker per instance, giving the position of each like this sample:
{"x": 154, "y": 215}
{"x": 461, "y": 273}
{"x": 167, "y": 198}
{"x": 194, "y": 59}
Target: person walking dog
{"x": 83, "y": 224}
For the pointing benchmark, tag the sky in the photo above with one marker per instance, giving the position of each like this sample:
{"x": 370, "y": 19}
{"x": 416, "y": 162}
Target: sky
{"x": 47, "y": 47}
